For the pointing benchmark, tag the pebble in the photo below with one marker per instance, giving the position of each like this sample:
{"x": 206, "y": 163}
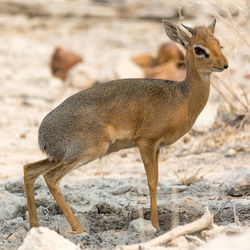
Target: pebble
{"x": 18, "y": 235}
{"x": 142, "y": 201}
{"x": 141, "y": 226}
{"x": 122, "y": 190}
{"x": 65, "y": 228}
{"x": 240, "y": 185}
{"x": 231, "y": 153}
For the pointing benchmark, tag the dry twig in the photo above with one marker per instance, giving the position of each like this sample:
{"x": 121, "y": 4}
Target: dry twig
{"x": 204, "y": 222}
{"x": 226, "y": 98}
{"x": 236, "y": 218}
{"x": 233, "y": 93}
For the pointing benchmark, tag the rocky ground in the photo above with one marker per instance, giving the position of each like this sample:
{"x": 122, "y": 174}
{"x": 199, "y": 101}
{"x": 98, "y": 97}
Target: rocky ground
{"x": 207, "y": 167}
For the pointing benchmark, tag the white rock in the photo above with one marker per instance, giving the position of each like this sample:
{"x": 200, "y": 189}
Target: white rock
{"x": 207, "y": 117}
{"x": 42, "y": 238}
{"x": 141, "y": 226}
{"x": 119, "y": 67}
{"x": 122, "y": 189}
{"x": 239, "y": 242}
{"x": 82, "y": 76}
{"x": 240, "y": 185}
{"x": 231, "y": 153}
{"x": 10, "y": 205}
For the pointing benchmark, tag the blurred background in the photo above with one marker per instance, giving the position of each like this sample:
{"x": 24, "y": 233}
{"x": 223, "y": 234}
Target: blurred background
{"x": 52, "y": 49}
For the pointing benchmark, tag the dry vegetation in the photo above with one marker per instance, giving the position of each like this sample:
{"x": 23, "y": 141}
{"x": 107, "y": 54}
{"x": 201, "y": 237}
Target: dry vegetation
{"x": 114, "y": 193}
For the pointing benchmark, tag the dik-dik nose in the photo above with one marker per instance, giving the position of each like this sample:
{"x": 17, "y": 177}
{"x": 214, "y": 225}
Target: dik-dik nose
{"x": 224, "y": 62}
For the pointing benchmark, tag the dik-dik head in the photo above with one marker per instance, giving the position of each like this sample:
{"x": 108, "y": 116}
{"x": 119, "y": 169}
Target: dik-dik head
{"x": 203, "y": 49}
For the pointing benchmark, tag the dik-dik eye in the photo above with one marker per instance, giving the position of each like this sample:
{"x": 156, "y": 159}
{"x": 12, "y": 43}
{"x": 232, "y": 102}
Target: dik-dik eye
{"x": 200, "y": 52}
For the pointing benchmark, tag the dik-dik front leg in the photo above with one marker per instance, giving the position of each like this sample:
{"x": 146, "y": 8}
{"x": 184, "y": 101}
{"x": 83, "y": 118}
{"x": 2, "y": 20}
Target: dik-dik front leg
{"x": 149, "y": 154}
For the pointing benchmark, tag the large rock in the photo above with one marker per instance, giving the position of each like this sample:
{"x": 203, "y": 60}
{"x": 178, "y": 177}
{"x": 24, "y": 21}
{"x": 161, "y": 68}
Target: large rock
{"x": 42, "y": 238}
{"x": 239, "y": 242}
{"x": 141, "y": 226}
{"x": 119, "y": 67}
{"x": 82, "y": 76}
{"x": 240, "y": 185}
{"x": 11, "y": 206}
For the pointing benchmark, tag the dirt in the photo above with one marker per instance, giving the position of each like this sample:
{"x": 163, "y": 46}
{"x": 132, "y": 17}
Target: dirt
{"x": 109, "y": 193}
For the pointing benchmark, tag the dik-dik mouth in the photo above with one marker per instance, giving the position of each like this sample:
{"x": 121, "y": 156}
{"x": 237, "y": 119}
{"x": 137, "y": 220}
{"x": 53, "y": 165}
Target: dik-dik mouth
{"x": 218, "y": 69}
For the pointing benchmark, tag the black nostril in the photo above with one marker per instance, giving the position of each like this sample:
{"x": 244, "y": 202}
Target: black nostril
{"x": 226, "y": 66}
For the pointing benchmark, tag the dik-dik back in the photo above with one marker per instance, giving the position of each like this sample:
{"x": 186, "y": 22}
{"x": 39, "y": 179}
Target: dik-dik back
{"x": 118, "y": 112}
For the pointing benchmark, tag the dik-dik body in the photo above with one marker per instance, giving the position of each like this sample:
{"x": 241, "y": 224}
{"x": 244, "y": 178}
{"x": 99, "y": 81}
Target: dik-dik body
{"x": 143, "y": 113}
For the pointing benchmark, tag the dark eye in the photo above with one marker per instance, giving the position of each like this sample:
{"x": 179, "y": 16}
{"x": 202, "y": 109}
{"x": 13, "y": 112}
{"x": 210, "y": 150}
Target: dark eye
{"x": 199, "y": 51}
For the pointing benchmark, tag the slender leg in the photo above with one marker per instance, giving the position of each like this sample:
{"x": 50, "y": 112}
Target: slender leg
{"x": 52, "y": 179}
{"x": 31, "y": 172}
{"x": 149, "y": 154}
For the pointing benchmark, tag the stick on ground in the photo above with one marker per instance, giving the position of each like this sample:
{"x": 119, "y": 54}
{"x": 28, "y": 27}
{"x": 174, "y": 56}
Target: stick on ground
{"x": 204, "y": 222}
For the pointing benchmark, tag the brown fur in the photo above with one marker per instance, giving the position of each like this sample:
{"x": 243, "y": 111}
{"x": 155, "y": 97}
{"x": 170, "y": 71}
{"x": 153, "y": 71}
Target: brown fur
{"x": 147, "y": 113}
{"x": 62, "y": 61}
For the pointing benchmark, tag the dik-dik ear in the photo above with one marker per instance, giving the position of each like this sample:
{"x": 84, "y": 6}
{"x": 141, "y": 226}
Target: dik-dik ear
{"x": 211, "y": 26}
{"x": 175, "y": 33}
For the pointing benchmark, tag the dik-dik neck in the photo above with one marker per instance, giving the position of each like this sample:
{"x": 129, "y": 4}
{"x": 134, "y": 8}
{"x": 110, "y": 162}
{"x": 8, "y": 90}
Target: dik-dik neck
{"x": 199, "y": 87}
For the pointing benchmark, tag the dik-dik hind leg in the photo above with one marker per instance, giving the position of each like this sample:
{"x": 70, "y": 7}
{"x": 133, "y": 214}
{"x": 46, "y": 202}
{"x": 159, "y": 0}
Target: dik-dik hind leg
{"x": 149, "y": 154}
{"x": 52, "y": 179}
{"x": 31, "y": 172}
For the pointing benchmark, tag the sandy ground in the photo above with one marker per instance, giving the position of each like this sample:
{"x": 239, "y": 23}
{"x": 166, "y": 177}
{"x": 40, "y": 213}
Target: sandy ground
{"x": 216, "y": 154}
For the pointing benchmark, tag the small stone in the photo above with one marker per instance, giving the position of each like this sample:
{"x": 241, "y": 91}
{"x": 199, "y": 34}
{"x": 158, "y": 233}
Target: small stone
{"x": 189, "y": 202}
{"x": 142, "y": 201}
{"x": 231, "y": 153}
{"x": 240, "y": 185}
{"x": 23, "y": 136}
{"x": 141, "y": 226}
{"x": 18, "y": 235}
{"x": 43, "y": 238}
{"x": 13, "y": 223}
{"x": 65, "y": 228}
{"x": 82, "y": 76}
{"x": 83, "y": 237}
{"x": 177, "y": 188}
{"x": 17, "y": 186}
{"x": 122, "y": 190}
{"x": 142, "y": 190}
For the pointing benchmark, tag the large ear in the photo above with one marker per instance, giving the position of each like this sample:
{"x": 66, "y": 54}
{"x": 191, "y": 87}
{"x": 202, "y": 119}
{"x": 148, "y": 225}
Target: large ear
{"x": 175, "y": 33}
{"x": 211, "y": 26}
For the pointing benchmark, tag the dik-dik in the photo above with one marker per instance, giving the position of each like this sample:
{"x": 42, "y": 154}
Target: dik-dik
{"x": 143, "y": 113}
